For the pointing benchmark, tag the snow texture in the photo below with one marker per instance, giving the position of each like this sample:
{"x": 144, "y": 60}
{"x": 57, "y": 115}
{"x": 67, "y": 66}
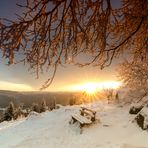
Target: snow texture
{"x": 114, "y": 129}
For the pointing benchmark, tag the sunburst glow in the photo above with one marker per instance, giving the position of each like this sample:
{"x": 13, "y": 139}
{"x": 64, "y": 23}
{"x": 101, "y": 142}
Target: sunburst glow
{"x": 93, "y": 87}
{"x": 89, "y": 88}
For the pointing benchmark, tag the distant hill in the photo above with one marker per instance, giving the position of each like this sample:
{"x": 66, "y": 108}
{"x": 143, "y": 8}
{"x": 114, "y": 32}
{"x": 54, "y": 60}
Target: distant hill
{"x": 27, "y": 98}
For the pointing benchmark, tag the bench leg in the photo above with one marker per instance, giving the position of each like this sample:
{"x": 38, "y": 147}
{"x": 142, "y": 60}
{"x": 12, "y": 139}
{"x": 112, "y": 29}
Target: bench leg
{"x": 72, "y": 121}
{"x": 81, "y": 128}
{"x": 93, "y": 119}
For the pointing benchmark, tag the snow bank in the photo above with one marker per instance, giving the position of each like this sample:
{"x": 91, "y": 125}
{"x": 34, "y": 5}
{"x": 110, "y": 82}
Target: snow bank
{"x": 33, "y": 115}
{"x": 52, "y": 130}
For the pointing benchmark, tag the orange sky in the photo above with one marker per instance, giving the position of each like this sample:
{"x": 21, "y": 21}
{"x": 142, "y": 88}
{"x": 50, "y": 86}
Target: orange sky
{"x": 17, "y": 77}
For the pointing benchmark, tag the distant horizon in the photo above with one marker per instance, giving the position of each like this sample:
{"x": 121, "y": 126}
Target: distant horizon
{"x": 39, "y": 91}
{"x": 76, "y": 88}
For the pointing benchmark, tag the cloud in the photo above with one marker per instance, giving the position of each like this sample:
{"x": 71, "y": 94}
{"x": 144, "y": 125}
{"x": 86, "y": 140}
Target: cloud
{"x": 14, "y": 86}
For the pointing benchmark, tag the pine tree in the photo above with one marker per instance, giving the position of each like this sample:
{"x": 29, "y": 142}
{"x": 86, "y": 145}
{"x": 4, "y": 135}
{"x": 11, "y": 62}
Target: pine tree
{"x": 43, "y": 106}
{"x": 35, "y": 107}
{"x": 9, "y": 114}
{"x": 18, "y": 112}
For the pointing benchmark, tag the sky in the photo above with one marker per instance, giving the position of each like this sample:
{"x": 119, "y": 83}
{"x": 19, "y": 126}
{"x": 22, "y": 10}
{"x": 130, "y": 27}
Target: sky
{"x": 18, "y": 78}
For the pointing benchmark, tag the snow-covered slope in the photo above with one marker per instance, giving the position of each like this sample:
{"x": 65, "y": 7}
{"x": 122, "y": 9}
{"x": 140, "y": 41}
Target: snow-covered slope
{"x": 114, "y": 129}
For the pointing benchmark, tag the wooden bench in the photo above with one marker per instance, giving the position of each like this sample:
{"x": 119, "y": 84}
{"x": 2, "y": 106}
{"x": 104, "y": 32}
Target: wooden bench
{"x": 86, "y": 117}
{"x": 81, "y": 120}
{"x": 88, "y": 112}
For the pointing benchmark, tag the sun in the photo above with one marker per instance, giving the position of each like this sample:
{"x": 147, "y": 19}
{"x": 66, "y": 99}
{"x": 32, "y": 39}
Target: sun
{"x": 89, "y": 88}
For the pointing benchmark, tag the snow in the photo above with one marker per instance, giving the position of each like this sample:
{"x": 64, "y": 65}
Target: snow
{"x": 114, "y": 129}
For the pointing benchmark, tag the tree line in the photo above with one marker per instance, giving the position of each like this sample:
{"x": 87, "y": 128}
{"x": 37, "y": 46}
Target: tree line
{"x": 13, "y": 112}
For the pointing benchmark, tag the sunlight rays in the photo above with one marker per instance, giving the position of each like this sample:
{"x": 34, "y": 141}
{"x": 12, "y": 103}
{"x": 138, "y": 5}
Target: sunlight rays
{"x": 92, "y": 87}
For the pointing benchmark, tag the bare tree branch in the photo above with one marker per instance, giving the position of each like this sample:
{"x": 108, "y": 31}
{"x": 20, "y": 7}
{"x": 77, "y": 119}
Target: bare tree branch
{"x": 50, "y": 32}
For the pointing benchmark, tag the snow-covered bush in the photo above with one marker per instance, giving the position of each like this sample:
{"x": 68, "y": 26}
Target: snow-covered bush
{"x": 58, "y": 106}
{"x": 19, "y": 113}
{"x": 135, "y": 77}
{"x": 12, "y": 112}
{"x": 32, "y": 115}
{"x": 35, "y": 107}
{"x": 111, "y": 95}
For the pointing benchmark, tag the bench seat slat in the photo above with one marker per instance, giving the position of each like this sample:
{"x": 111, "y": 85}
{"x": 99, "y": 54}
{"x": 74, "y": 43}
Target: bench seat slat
{"x": 82, "y": 119}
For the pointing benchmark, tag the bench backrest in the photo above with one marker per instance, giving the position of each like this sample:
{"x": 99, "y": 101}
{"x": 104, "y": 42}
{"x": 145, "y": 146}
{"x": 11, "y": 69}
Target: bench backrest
{"x": 92, "y": 111}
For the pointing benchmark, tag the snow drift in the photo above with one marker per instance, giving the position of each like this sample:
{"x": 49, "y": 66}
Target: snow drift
{"x": 116, "y": 129}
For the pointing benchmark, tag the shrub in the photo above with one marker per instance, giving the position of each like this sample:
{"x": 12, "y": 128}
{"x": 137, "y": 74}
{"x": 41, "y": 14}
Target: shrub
{"x": 35, "y": 107}
{"x": 43, "y": 107}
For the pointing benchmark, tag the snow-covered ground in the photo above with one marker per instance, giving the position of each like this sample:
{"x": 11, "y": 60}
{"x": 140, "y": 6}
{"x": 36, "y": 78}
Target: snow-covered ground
{"x": 114, "y": 129}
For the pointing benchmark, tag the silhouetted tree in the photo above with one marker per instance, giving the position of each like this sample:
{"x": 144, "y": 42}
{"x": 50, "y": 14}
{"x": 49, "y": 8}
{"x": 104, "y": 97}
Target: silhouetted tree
{"x": 43, "y": 107}
{"x": 9, "y": 113}
{"x": 35, "y": 107}
{"x": 18, "y": 112}
{"x": 54, "y": 102}
{"x": 72, "y": 101}
{"x": 117, "y": 97}
{"x": 54, "y": 32}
